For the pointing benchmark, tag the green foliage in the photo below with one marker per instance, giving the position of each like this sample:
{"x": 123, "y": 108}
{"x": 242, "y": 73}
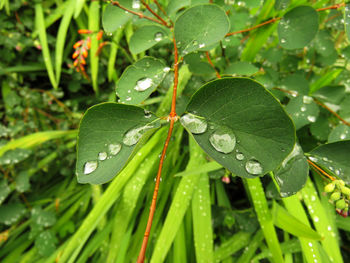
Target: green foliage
{"x": 250, "y": 156}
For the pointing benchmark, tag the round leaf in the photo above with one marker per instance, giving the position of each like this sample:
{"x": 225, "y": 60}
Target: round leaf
{"x": 105, "y": 140}
{"x": 292, "y": 174}
{"x": 298, "y": 27}
{"x": 114, "y": 17}
{"x": 334, "y": 158}
{"x": 140, "y": 79}
{"x": 340, "y": 133}
{"x": 200, "y": 26}
{"x": 146, "y": 37}
{"x": 241, "y": 68}
{"x": 264, "y": 134}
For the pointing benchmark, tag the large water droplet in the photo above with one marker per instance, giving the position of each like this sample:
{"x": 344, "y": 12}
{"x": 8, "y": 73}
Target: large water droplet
{"x": 307, "y": 99}
{"x": 114, "y": 149}
{"x": 136, "y": 4}
{"x": 166, "y": 69}
{"x": 158, "y": 36}
{"x": 201, "y": 45}
{"x": 223, "y": 140}
{"x": 254, "y": 167}
{"x": 193, "y": 123}
{"x": 143, "y": 84}
{"x": 311, "y": 118}
{"x": 135, "y": 134}
{"x": 90, "y": 166}
{"x": 102, "y": 156}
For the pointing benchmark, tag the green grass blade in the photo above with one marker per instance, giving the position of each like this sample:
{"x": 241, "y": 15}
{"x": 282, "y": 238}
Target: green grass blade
{"x": 232, "y": 245}
{"x": 179, "y": 248}
{"x": 22, "y": 68}
{"x": 321, "y": 222}
{"x": 257, "y": 194}
{"x": 178, "y": 206}
{"x": 288, "y": 247}
{"x": 61, "y": 37}
{"x": 202, "y": 226}
{"x": 79, "y": 4}
{"x": 251, "y": 247}
{"x": 113, "y": 55}
{"x": 94, "y": 25}
{"x": 204, "y": 168}
{"x": 40, "y": 25}
{"x": 324, "y": 80}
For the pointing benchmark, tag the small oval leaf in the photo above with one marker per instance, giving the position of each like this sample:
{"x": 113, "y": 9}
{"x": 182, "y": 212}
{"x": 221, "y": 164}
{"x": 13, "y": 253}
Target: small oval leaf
{"x": 140, "y": 79}
{"x": 114, "y": 17}
{"x": 199, "y": 27}
{"x": 108, "y": 136}
{"x": 146, "y": 37}
{"x": 298, "y": 27}
{"x": 260, "y": 136}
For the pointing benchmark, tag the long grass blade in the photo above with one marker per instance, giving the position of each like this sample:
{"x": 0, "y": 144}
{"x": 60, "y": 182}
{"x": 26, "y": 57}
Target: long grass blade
{"x": 40, "y": 25}
{"x": 94, "y": 25}
{"x": 79, "y": 4}
{"x": 111, "y": 72}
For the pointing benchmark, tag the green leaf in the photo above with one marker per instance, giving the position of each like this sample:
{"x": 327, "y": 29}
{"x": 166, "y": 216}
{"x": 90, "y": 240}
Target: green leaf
{"x": 140, "y": 80}
{"x": 107, "y": 139}
{"x": 286, "y": 221}
{"x": 197, "y": 64}
{"x": 114, "y": 17}
{"x": 241, "y": 68}
{"x": 341, "y": 132}
{"x": 347, "y": 20}
{"x": 334, "y": 158}
{"x": 200, "y": 26}
{"x": 146, "y": 37}
{"x": 5, "y": 190}
{"x": 324, "y": 80}
{"x": 43, "y": 218}
{"x": 303, "y": 110}
{"x": 296, "y": 83}
{"x": 11, "y": 213}
{"x": 292, "y": 174}
{"x": 240, "y": 125}
{"x": 281, "y": 4}
{"x": 175, "y": 5}
{"x": 14, "y": 156}
{"x": 22, "y": 182}
{"x": 298, "y": 27}
{"x": 46, "y": 243}
{"x": 331, "y": 94}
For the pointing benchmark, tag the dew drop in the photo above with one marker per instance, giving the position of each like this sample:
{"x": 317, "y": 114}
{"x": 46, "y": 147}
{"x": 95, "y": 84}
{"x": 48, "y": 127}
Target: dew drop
{"x": 128, "y": 98}
{"x": 223, "y": 140}
{"x": 194, "y": 124}
{"x": 303, "y": 108}
{"x": 254, "y": 167}
{"x": 90, "y": 166}
{"x": 342, "y": 136}
{"x": 136, "y": 4}
{"x": 307, "y": 99}
{"x": 239, "y": 156}
{"x": 283, "y": 40}
{"x": 135, "y": 134}
{"x": 311, "y": 118}
{"x": 114, "y": 149}
{"x": 158, "y": 36}
{"x": 148, "y": 114}
{"x": 143, "y": 84}
{"x": 102, "y": 156}
{"x": 195, "y": 42}
{"x": 201, "y": 45}
{"x": 166, "y": 69}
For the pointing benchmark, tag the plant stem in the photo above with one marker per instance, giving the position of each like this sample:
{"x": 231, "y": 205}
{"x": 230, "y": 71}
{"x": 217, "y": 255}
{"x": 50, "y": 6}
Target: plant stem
{"x": 212, "y": 65}
{"x": 318, "y": 169}
{"x": 140, "y": 15}
{"x": 331, "y": 111}
{"x": 155, "y": 14}
{"x": 172, "y": 117}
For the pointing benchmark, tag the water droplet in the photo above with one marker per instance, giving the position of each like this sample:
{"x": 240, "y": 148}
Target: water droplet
{"x": 314, "y": 159}
{"x": 303, "y": 108}
{"x": 195, "y": 42}
{"x": 311, "y": 118}
{"x": 201, "y": 45}
{"x": 114, "y": 149}
{"x": 90, "y": 166}
{"x": 148, "y": 114}
{"x": 283, "y": 40}
{"x": 143, "y": 84}
{"x": 223, "y": 140}
{"x": 254, "y": 167}
{"x": 239, "y": 156}
{"x": 166, "y": 69}
{"x": 135, "y": 134}
{"x": 102, "y": 156}
{"x": 136, "y": 4}
{"x": 307, "y": 99}
{"x": 128, "y": 98}
{"x": 193, "y": 123}
{"x": 158, "y": 36}
{"x": 342, "y": 136}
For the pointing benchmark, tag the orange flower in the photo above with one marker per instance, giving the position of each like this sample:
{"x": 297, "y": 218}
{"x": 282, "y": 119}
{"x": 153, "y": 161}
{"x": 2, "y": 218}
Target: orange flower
{"x": 84, "y": 31}
{"x": 99, "y": 35}
{"x": 75, "y": 54}
{"x": 84, "y": 52}
{"x": 78, "y": 44}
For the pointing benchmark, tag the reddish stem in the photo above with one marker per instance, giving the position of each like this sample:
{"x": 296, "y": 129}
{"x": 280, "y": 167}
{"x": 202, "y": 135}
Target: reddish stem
{"x": 160, "y": 7}
{"x": 140, "y": 15}
{"x": 155, "y": 14}
{"x": 320, "y": 170}
{"x": 212, "y": 65}
{"x": 330, "y": 7}
{"x": 331, "y": 111}
{"x": 172, "y": 117}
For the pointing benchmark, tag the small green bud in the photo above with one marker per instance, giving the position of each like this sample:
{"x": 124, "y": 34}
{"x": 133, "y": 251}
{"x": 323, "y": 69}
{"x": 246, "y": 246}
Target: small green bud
{"x": 341, "y": 204}
{"x": 329, "y": 187}
{"x": 345, "y": 190}
{"x": 339, "y": 183}
{"x": 335, "y": 196}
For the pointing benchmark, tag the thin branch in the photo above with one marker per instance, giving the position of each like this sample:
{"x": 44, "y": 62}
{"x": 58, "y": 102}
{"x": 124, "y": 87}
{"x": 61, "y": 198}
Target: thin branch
{"x": 172, "y": 117}
{"x": 212, "y": 65}
{"x": 279, "y": 18}
{"x": 160, "y": 7}
{"x": 155, "y": 14}
{"x": 331, "y": 111}
{"x": 320, "y": 170}
{"x": 140, "y": 15}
